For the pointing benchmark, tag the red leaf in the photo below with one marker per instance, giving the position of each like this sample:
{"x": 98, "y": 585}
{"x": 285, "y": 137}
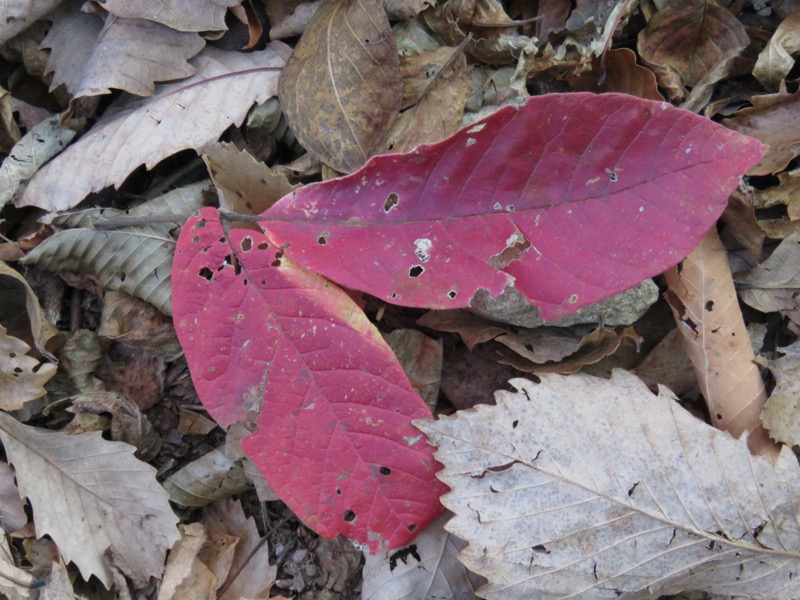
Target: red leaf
{"x": 591, "y": 193}
{"x": 334, "y": 438}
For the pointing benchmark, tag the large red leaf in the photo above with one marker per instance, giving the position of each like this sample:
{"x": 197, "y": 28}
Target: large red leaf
{"x": 591, "y": 193}
{"x": 334, "y": 438}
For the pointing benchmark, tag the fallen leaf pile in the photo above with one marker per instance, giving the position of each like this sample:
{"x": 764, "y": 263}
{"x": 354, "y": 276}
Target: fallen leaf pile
{"x": 399, "y": 299}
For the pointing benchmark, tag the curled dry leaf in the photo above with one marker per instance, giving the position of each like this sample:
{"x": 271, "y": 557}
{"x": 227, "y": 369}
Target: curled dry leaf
{"x": 90, "y": 495}
{"x": 187, "y": 114}
{"x": 14, "y": 582}
{"x": 90, "y": 57}
{"x": 591, "y": 488}
{"x": 183, "y": 15}
{"x": 781, "y": 414}
{"x": 21, "y": 312}
{"x": 12, "y": 509}
{"x": 341, "y": 89}
{"x": 703, "y": 300}
{"x": 22, "y": 377}
{"x": 775, "y": 61}
{"x": 428, "y": 569}
{"x": 134, "y": 259}
{"x": 185, "y": 574}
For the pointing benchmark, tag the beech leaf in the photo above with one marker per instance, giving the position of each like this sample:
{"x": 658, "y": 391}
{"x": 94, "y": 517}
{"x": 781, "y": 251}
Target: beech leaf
{"x": 571, "y": 198}
{"x": 584, "y": 487}
{"x": 90, "y": 495}
{"x": 335, "y": 439}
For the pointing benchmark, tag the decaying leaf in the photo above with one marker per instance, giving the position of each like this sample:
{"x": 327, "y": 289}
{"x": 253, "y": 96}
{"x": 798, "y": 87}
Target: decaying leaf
{"x": 775, "y": 61}
{"x": 341, "y": 89}
{"x": 590, "y": 488}
{"x": 18, "y": 15}
{"x": 703, "y": 300}
{"x": 781, "y": 414}
{"x": 428, "y": 568}
{"x": 297, "y": 354}
{"x": 421, "y": 358}
{"x": 183, "y": 15}
{"x": 211, "y": 477}
{"x": 22, "y": 377}
{"x": 617, "y": 203}
{"x": 617, "y": 72}
{"x": 136, "y": 259}
{"x": 138, "y": 324}
{"x": 186, "y": 114}
{"x": 90, "y": 495}
{"x": 21, "y": 313}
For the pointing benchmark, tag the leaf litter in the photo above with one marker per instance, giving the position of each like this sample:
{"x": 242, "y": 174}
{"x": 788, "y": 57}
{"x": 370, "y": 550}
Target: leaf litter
{"x": 318, "y": 385}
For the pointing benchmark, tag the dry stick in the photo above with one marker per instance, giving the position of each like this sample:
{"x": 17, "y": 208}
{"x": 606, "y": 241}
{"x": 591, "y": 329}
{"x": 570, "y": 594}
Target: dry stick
{"x": 120, "y": 222}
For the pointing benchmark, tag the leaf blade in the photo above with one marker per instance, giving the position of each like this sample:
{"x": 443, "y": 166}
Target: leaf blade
{"x": 589, "y": 214}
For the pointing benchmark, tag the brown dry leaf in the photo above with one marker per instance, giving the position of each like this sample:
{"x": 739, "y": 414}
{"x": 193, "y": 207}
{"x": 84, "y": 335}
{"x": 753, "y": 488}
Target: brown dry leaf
{"x": 591, "y": 349}
{"x": 773, "y": 285}
{"x": 582, "y": 487}
{"x": 183, "y": 15}
{"x": 136, "y": 374}
{"x": 89, "y": 495}
{"x": 438, "y": 114}
{"x": 775, "y": 61}
{"x": 18, "y": 15}
{"x": 341, "y": 89}
{"x": 186, "y": 577}
{"x": 91, "y": 55}
{"x": 740, "y": 217}
{"x": 9, "y": 130}
{"x": 427, "y": 568}
{"x": 193, "y": 423}
{"x": 245, "y": 185}
{"x": 128, "y": 424}
{"x": 81, "y": 355}
{"x": 249, "y": 574}
{"x": 668, "y": 364}
{"x": 187, "y": 114}
{"x": 136, "y": 259}
{"x": 211, "y": 477}
{"x": 619, "y": 73}
{"x": 473, "y": 329}
{"x": 22, "y": 377}
{"x": 138, "y": 324}
{"x": 12, "y": 509}
{"x": 421, "y": 358}
{"x": 703, "y": 300}
{"x": 44, "y": 141}
{"x": 685, "y": 39}
{"x": 786, "y": 194}
{"x": 772, "y": 120}
{"x": 781, "y": 414}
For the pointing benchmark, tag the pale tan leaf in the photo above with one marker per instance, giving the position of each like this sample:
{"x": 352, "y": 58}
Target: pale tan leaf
{"x": 182, "y": 115}
{"x": 581, "y": 487}
{"x": 19, "y": 14}
{"x": 12, "y": 509}
{"x": 781, "y": 414}
{"x": 211, "y": 477}
{"x": 90, "y": 495}
{"x": 183, "y": 15}
{"x": 703, "y": 300}
{"x": 341, "y": 89}
{"x": 21, "y": 312}
{"x": 22, "y": 377}
{"x": 58, "y": 586}
{"x": 426, "y": 569}
{"x": 250, "y": 575}
{"x": 775, "y": 61}
{"x": 182, "y": 559}
{"x": 90, "y": 57}
{"x": 669, "y": 365}
{"x": 135, "y": 259}
{"x": 45, "y": 140}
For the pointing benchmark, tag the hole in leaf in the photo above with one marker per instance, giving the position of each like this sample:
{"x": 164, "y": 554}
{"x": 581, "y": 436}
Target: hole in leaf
{"x": 246, "y": 244}
{"x": 339, "y": 491}
{"x": 393, "y": 296}
{"x": 411, "y": 528}
{"x": 12, "y": 355}
{"x": 123, "y": 276}
{"x": 206, "y": 273}
{"x": 222, "y": 240}
{"x": 514, "y": 424}
{"x": 277, "y": 261}
{"x": 263, "y": 246}
{"x": 452, "y": 294}
{"x": 323, "y": 238}
{"x": 719, "y": 416}
{"x": 195, "y": 239}
{"x": 385, "y": 471}
{"x": 709, "y": 305}
{"x": 200, "y": 224}
{"x": 349, "y": 516}
{"x": 403, "y": 554}
{"x": 416, "y": 271}
{"x": 17, "y": 370}
{"x": 391, "y": 201}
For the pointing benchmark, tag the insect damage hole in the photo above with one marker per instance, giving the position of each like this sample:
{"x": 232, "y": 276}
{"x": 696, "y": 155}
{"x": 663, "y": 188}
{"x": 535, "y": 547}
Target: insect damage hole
{"x": 452, "y": 294}
{"x": 391, "y": 202}
{"x": 349, "y": 516}
{"x": 206, "y": 273}
{"x": 323, "y": 238}
{"x": 385, "y": 471}
{"x": 246, "y": 244}
{"x": 416, "y": 271}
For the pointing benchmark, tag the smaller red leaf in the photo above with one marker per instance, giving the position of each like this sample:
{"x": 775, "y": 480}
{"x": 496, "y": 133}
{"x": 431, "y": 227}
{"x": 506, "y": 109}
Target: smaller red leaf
{"x": 571, "y": 198}
{"x": 335, "y": 439}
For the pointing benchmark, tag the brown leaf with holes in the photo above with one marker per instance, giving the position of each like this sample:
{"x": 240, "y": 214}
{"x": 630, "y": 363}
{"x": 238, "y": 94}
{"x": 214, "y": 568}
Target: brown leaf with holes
{"x": 703, "y": 300}
{"x": 685, "y": 39}
{"x": 341, "y": 89}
